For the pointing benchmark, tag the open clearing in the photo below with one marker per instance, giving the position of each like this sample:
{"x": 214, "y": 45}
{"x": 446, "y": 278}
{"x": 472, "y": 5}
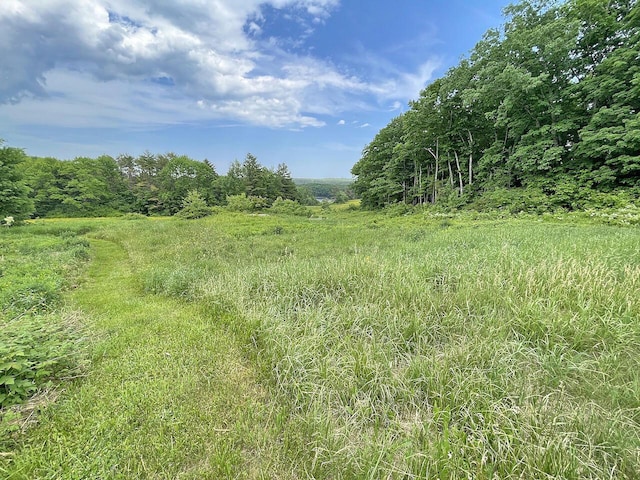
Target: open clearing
{"x": 353, "y": 346}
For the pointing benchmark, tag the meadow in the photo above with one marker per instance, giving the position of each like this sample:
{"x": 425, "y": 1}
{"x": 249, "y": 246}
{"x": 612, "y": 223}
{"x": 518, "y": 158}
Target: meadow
{"x": 348, "y": 345}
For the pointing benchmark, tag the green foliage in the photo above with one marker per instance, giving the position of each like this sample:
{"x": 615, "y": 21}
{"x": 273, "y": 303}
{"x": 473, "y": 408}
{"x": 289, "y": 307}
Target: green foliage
{"x": 35, "y": 351}
{"x": 81, "y": 187}
{"x": 149, "y": 184}
{"x": 14, "y": 194}
{"x": 306, "y": 196}
{"x": 244, "y": 203}
{"x": 133, "y": 216}
{"x": 289, "y": 207}
{"x": 627, "y": 215}
{"x": 398, "y": 209}
{"x": 38, "y": 344}
{"x": 239, "y": 203}
{"x": 194, "y": 206}
{"x": 182, "y": 176}
{"x": 515, "y": 200}
{"x": 549, "y": 98}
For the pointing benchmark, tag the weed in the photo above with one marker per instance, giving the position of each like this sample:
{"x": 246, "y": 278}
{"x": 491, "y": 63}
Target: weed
{"x": 39, "y": 345}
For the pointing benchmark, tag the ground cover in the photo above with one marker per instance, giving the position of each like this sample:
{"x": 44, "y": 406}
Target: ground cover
{"x": 39, "y": 343}
{"x": 166, "y": 396}
{"x": 354, "y": 346}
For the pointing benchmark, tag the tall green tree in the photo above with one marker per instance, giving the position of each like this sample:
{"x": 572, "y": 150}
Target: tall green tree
{"x": 14, "y": 194}
{"x": 609, "y": 47}
{"x": 232, "y": 183}
{"x": 43, "y": 176}
{"x": 182, "y": 175}
{"x": 549, "y": 103}
{"x": 284, "y": 185}
{"x": 255, "y": 177}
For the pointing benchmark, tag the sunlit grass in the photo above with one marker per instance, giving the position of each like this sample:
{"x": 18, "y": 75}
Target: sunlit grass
{"x": 361, "y": 345}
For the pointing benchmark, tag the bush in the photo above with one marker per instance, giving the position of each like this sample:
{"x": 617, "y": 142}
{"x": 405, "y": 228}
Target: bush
{"x": 242, "y": 203}
{"x": 514, "y": 200}
{"x": 289, "y": 207}
{"x": 398, "y": 209}
{"x": 194, "y": 206}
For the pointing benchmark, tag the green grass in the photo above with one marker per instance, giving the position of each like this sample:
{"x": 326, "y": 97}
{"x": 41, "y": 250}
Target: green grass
{"x": 357, "y": 345}
{"x": 39, "y": 342}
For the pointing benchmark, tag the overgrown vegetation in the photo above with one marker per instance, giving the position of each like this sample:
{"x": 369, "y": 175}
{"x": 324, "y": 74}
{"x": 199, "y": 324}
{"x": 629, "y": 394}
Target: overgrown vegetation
{"x": 427, "y": 345}
{"x": 544, "y": 114}
{"x": 15, "y": 203}
{"x": 40, "y": 343}
{"x": 148, "y": 184}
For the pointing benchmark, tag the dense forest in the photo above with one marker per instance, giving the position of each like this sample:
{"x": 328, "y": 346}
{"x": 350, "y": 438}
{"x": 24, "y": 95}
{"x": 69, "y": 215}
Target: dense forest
{"x": 150, "y": 184}
{"x": 543, "y": 114}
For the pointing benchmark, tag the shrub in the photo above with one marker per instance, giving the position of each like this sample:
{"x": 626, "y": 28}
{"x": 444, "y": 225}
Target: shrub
{"x": 289, "y": 207}
{"x": 514, "y": 200}
{"x": 242, "y": 203}
{"x": 239, "y": 203}
{"x": 194, "y": 206}
{"x": 398, "y": 209}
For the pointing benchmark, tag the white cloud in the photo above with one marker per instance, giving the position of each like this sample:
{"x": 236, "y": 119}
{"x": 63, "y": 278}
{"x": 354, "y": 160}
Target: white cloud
{"x": 341, "y": 122}
{"x": 365, "y": 125}
{"x": 144, "y": 62}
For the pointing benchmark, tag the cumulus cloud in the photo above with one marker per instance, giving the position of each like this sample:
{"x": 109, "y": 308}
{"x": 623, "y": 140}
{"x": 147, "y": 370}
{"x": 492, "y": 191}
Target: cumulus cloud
{"x": 143, "y": 61}
{"x": 341, "y": 122}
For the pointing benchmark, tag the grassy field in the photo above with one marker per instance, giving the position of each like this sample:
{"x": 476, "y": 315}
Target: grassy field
{"x": 350, "y": 346}
{"x": 40, "y": 343}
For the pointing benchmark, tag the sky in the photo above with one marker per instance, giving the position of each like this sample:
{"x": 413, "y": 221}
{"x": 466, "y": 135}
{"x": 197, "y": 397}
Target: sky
{"x": 307, "y": 83}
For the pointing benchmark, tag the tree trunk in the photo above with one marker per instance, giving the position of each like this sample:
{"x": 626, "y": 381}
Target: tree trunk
{"x": 436, "y": 156}
{"x": 470, "y": 157}
{"x": 435, "y": 183}
{"x": 450, "y": 172}
{"x": 459, "y": 172}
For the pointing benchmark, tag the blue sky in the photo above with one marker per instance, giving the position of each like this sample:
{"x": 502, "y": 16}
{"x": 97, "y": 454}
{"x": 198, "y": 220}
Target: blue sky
{"x": 304, "y": 82}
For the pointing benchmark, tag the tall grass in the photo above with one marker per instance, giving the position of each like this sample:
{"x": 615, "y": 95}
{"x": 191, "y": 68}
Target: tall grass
{"x": 417, "y": 347}
{"x": 40, "y": 341}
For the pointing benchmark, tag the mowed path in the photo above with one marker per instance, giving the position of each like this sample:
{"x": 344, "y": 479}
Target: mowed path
{"x": 168, "y": 394}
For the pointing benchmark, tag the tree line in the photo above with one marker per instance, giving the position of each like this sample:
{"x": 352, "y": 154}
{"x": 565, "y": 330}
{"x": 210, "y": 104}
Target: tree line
{"x": 149, "y": 184}
{"x": 544, "y": 113}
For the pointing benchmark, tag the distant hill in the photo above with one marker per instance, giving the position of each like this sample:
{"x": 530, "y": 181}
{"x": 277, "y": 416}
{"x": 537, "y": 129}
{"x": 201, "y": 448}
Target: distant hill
{"x": 324, "y": 181}
{"x": 335, "y": 189}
